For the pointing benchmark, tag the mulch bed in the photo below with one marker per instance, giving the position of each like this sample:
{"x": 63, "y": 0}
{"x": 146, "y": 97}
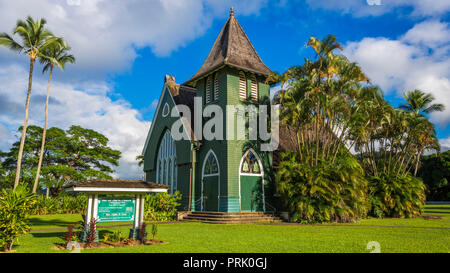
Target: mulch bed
{"x": 123, "y": 243}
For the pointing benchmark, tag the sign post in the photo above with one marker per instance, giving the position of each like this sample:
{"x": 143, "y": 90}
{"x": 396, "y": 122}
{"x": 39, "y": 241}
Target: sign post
{"x": 119, "y": 201}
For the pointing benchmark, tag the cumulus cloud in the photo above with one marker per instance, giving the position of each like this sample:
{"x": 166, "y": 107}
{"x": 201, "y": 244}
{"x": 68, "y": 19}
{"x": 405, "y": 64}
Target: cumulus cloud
{"x": 419, "y": 59}
{"x": 70, "y": 105}
{"x": 361, "y": 8}
{"x": 104, "y": 34}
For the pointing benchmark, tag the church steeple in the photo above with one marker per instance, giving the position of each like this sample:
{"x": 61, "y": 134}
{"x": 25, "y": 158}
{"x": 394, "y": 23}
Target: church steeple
{"x": 233, "y": 48}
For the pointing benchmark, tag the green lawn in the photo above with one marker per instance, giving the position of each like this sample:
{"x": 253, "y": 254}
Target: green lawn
{"x": 394, "y": 235}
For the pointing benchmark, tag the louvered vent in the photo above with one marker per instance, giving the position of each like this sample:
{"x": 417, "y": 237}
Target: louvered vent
{"x": 216, "y": 88}
{"x": 208, "y": 90}
{"x": 242, "y": 86}
{"x": 254, "y": 86}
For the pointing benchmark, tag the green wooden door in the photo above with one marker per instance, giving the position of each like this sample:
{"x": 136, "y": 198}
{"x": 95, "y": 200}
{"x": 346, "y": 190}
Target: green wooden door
{"x": 251, "y": 193}
{"x": 210, "y": 193}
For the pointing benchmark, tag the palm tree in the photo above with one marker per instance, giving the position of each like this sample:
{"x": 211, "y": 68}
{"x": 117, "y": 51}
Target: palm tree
{"x": 140, "y": 159}
{"x": 418, "y": 101}
{"x": 35, "y": 38}
{"x": 53, "y": 56}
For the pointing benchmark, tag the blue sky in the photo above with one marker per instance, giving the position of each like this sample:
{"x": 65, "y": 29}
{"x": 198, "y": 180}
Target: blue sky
{"x": 124, "y": 49}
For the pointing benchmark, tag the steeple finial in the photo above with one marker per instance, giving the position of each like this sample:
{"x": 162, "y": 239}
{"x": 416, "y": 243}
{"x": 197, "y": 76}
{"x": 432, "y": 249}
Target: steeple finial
{"x": 232, "y": 11}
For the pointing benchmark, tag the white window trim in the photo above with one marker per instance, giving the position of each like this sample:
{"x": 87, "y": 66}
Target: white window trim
{"x": 210, "y": 175}
{"x": 252, "y": 174}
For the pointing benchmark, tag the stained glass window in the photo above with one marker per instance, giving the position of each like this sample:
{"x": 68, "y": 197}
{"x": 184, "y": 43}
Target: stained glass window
{"x": 211, "y": 166}
{"x": 250, "y": 164}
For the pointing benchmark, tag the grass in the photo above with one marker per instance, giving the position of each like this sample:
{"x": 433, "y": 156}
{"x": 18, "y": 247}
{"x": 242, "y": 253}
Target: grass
{"x": 394, "y": 235}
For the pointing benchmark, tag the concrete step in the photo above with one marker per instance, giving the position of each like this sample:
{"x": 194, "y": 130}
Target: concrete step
{"x": 216, "y": 219}
{"x": 208, "y": 215}
{"x": 233, "y": 221}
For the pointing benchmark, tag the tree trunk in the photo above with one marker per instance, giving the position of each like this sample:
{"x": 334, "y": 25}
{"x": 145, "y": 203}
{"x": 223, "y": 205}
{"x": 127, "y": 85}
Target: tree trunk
{"x": 44, "y": 133}
{"x": 24, "y": 129}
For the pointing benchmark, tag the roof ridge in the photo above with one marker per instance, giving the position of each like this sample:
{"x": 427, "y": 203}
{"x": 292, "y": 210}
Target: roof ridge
{"x": 231, "y": 47}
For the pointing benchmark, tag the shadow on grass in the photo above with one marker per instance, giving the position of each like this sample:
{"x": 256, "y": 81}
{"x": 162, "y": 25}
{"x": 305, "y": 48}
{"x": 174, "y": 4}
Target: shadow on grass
{"x": 36, "y": 222}
{"x": 48, "y": 234}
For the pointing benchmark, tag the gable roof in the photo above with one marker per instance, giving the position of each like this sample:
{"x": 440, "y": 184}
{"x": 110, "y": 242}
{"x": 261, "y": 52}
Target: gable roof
{"x": 232, "y": 47}
{"x": 180, "y": 95}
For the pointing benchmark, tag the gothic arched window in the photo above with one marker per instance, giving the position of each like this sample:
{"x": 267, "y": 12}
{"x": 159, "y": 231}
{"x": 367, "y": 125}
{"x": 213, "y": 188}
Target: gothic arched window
{"x": 210, "y": 166}
{"x": 166, "y": 162}
{"x": 250, "y": 164}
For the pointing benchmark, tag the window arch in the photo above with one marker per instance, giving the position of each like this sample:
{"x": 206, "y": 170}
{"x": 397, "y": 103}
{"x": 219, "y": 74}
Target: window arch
{"x": 166, "y": 162}
{"x": 211, "y": 164}
{"x": 242, "y": 86}
{"x": 250, "y": 164}
{"x": 254, "y": 89}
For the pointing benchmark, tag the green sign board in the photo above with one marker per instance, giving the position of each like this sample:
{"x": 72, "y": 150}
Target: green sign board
{"x": 115, "y": 209}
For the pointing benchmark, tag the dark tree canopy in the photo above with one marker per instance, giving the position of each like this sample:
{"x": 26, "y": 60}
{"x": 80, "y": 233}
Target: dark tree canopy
{"x": 70, "y": 155}
{"x": 435, "y": 172}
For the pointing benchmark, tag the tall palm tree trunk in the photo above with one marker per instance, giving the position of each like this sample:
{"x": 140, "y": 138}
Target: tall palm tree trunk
{"x": 25, "y": 123}
{"x": 44, "y": 133}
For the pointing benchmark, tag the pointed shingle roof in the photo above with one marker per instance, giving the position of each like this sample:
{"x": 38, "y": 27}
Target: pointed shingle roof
{"x": 232, "y": 47}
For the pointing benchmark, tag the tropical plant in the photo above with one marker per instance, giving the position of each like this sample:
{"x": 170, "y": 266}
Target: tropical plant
{"x": 35, "y": 39}
{"x": 154, "y": 230}
{"x": 91, "y": 232}
{"x": 323, "y": 192}
{"x": 68, "y": 236}
{"x": 64, "y": 204}
{"x": 396, "y": 195}
{"x": 420, "y": 102}
{"x": 140, "y": 159}
{"x": 56, "y": 55}
{"x": 15, "y": 207}
{"x": 116, "y": 236}
{"x": 162, "y": 206}
{"x": 435, "y": 173}
{"x": 143, "y": 232}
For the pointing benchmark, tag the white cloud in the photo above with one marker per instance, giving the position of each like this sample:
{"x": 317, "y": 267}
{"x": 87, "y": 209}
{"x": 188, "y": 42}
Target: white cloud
{"x": 418, "y": 59}
{"x": 361, "y": 8}
{"x": 89, "y": 108}
{"x": 104, "y": 34}
{"x": 445, "y": 144}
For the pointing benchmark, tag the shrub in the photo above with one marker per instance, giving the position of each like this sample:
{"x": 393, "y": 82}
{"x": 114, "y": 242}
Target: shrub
{"x": 92, "y": 232}
{"x": 61, "y": 204}
{"x": 15, "y": 207}
{"x": 162, "y": 206}
{"x": 154, "y": 230}
{"x": 143, "y": 232}
{"x": 323, "y": 192}
{"x": 396, "y": 195}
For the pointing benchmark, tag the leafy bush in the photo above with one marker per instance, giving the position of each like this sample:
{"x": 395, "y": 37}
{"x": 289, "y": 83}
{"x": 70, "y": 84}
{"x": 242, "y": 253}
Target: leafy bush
{"x": 143, "y": 232}
{"x": 69, "y": 235}
{"x": 396, "y": 195}
{"x": 15, "y": 207}
{"x": 323, "y": 192}
{"x": 115, "y": 236}
{"x": 92, "y": 232}
{"x": 162, "y": 207}
{"x": 61, "y": 204}
{"x": 154, "y": 230}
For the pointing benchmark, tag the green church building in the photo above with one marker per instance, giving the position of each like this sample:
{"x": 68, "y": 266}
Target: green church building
{"x": 225, "y": 175}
